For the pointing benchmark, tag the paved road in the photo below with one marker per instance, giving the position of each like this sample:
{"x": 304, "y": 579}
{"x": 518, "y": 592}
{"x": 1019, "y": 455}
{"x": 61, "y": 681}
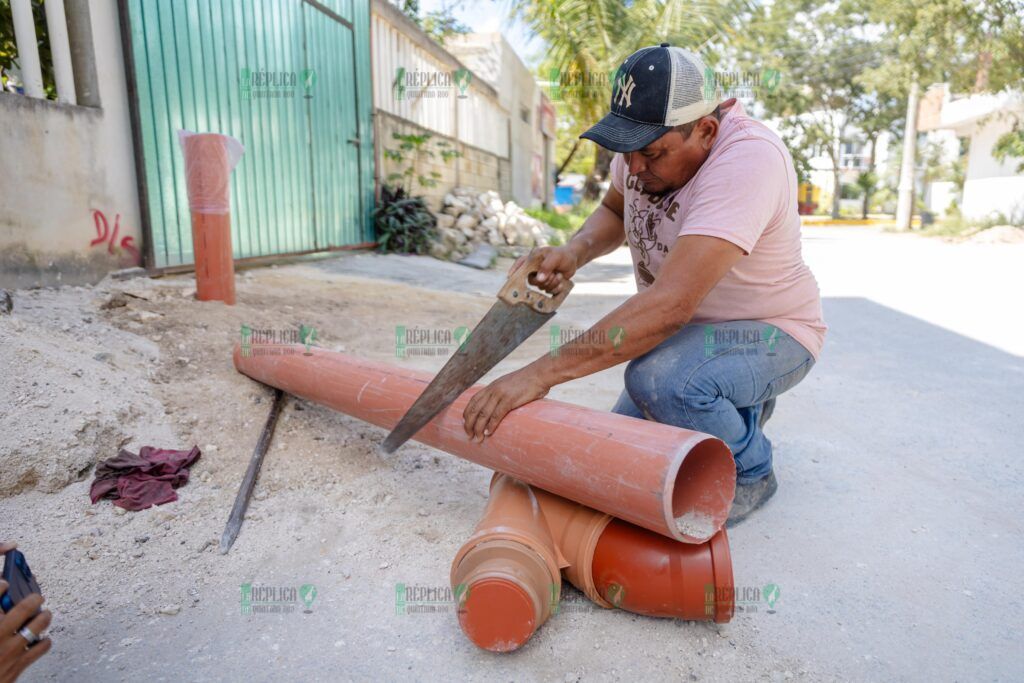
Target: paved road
{"x": 896, "y": 536}
{"x": 895, "y": 539}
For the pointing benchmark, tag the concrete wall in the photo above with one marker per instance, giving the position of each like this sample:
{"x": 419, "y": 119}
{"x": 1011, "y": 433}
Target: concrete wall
{"x": 474, "y": 122}
{"x": 543, "y": 181}
{"x": 495, "y": 124}
{"x": 940, "y": 195}
{"x": 475, "y": 167}
{"x": 493, "y": 58}
{"x": 69, "y": 178}
{"x": 991, "y": 186}
{"x": 522, "y": 138}
{"x": 475, "y": 116}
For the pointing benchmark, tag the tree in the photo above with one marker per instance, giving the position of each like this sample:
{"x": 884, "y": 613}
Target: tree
{"x": 973, "y": 46}
{"x": 439, "y": 24}
{"x": 572, "y": 153}
{"x": 9, "y": 48}
{"x": 1011, "y": 145}
{"x": 411, "y": 9}
{"x": 877, "y": 112}
{"x": 588, "y": 39}
{"x": 821, "y": 53}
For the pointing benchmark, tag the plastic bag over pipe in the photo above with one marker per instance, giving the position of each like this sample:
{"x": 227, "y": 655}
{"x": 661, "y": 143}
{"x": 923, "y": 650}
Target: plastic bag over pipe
{"x": 209, "y": 160}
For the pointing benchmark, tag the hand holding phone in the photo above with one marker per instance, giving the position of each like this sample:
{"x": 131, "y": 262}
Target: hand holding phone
{"x": 23, "y": 620}
{"x": 20, "y": 581}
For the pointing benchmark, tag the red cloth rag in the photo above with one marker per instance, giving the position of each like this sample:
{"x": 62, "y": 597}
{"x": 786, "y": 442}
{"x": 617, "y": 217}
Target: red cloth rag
{"x": 136, "y": 482}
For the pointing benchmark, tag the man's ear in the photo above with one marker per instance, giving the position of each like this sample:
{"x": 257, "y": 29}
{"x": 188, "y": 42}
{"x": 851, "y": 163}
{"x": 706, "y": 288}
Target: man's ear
{"x": 708, "y": 128}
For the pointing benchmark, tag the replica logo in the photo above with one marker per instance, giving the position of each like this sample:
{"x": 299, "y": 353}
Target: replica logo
{"x": 625, "y": 91}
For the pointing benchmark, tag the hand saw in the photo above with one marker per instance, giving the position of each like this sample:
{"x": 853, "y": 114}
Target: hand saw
{"x": 518, "y": 313}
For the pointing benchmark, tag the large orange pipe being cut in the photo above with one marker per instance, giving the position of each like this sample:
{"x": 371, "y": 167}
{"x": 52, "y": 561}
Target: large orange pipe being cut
{"x": 672, "y": 481}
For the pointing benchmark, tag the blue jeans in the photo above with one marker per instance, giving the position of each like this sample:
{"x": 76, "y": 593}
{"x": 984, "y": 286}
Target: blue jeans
{"x": 718, "y": 379}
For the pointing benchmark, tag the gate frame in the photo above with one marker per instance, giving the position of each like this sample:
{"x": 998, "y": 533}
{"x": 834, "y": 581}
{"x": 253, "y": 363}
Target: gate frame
{"x": 142, "y": 186}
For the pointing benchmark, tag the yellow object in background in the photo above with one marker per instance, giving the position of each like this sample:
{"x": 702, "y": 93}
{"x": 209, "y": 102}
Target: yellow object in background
{"x": 808, "y": 193}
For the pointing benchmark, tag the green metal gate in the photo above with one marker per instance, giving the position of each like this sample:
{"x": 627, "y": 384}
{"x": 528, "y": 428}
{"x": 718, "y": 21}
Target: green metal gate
{"x": 291, "y": 80}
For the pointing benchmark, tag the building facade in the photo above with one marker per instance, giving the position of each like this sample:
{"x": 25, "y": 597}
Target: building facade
{"x": 330, "y": 99}
{"x": 992, "y": 188}
{"x": 70, "y": 209}
{"x": 530, "y": 111}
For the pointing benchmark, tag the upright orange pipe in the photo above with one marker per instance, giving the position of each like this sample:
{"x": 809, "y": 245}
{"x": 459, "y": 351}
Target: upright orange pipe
{"x": 527, "y": 534}
{"x": 214, "y": 262}
{"x": 209, "y": 159}
{"x": 675, "y": 482}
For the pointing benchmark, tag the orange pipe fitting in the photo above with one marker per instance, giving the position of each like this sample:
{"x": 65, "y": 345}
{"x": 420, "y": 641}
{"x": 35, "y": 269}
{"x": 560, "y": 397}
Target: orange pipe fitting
{"x": 650, "y": 574}
{"x": 672, "y": 481}
{"x": 575, "y": 530}
{"x": 526, "y": 534}
{"x": 209, "y": 159}
{"x": 508, "y": 573}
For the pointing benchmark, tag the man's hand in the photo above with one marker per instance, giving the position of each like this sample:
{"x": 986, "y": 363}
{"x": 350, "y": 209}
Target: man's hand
{"x": 14, "y": 656}
{"x": 602, "y": 233}
{"x": 559, "y": 265}
{"x": 491, "y": 404}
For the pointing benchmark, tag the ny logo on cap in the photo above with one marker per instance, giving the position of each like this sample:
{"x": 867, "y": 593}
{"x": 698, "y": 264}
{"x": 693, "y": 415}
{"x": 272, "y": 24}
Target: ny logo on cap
{"x": 626, "y": 91}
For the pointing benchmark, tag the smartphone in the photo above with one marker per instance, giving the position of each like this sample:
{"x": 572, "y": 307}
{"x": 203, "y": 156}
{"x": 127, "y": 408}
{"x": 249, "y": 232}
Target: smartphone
{"x": 20, "y": 581}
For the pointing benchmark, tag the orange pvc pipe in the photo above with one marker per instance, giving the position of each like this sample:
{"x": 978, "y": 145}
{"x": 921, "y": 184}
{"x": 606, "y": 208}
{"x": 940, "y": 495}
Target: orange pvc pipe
{"x": 527, "y": 534}
{"x": 618, "y": 564}
{"x": 672, "y": 481}
{"x": 507, "y": 574}
{"x": 650, "y": 574}
{"x": 576, "y": 530}
{"x": 215, "y": 265}
{"x": 207, "y": 170}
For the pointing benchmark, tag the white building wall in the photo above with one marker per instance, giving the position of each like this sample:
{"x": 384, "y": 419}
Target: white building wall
{"x": 524, "y": 122}
{"x": 63, "y": 163}
{"x": 986, "y": 198}
{"x": 992, "y": 187}
{"x": 478, "y": 119}
{"x": 493, "y": 58}
{"x": 483, "y": 125}
{"x": 392, "y": 50}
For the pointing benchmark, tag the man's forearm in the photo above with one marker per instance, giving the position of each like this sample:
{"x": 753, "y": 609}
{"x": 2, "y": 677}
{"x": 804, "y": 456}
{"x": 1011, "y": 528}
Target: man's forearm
{"x": 651, "y": 316}
{"x": 642, "y": 322}
{"x": 600, "y": 234}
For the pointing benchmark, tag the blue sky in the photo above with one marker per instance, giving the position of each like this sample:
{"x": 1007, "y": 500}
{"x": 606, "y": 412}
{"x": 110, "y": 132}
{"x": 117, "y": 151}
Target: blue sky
{"x": 488, "y": 16}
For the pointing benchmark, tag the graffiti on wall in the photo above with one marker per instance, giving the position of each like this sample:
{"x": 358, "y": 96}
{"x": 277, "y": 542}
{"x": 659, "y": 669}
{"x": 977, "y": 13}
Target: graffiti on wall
{"x": 125, "y": 247}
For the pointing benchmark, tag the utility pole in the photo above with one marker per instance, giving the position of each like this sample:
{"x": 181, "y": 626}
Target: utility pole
{"x": 905, "y": 202}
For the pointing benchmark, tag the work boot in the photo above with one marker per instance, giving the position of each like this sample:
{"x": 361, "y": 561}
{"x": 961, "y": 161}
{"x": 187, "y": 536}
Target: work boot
{"x": 749, "y": 497}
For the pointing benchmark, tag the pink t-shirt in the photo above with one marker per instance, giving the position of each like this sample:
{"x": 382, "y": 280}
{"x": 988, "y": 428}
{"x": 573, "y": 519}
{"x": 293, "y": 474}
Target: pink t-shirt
{"x": 745, "y": 192}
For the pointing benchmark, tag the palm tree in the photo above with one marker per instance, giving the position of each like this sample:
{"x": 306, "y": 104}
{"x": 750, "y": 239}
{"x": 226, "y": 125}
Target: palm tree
{"x": 588, "y": 39}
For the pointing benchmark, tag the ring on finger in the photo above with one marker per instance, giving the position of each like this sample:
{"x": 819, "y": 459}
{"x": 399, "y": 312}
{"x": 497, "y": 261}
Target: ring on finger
{"x": 26, "y": 633}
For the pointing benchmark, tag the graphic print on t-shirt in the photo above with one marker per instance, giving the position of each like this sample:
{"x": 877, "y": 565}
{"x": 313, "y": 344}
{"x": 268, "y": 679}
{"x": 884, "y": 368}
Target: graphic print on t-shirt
{"x": 643, "y": 235}
{"x": 643, "y": 229}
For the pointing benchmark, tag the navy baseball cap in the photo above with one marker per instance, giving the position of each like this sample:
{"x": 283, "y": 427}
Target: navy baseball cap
{"x": 656, "y": 88}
